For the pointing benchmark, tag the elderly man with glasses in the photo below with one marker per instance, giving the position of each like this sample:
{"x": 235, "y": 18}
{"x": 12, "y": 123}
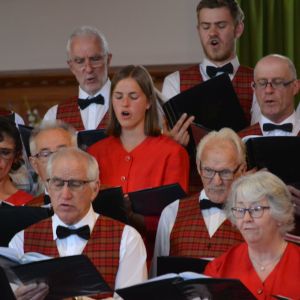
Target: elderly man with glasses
{"x": 275, "y": 86}
{"x": 197, "y": 226}
{"x": 88, "y": 59}
{"x": 76, "y": 229}
{"x": 45, "y": 139}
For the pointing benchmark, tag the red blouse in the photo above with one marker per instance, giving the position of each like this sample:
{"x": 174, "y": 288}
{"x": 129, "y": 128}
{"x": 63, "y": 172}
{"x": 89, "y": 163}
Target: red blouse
{"x": 19, "y": 198}
{"x": 284, "y": 280}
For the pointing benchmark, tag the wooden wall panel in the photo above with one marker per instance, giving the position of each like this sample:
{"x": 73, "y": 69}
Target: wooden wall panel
{"x": 42, "y": 89}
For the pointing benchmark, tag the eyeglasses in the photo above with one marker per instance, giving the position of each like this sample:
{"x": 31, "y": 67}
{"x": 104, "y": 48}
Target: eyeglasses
{"x": 94, "y": 61}
{"x": 275, "y": 83}
{"x": 7, "y": 153}
{"x": 255, "y": 212}
{"x": 44, "y": 155}
{"x": 225, "y": 174}
{"x": 74, "y": 185}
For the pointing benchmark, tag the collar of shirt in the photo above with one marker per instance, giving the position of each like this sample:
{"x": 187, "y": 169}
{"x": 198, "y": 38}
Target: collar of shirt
{"x": 235, "y": 63}
{"x": 291, "y": 119}
{"x": 89, "y": 219}
{"x": 105, "y": 91}
{"x": 213, "y": 217}
{"x": 94, "y": 113}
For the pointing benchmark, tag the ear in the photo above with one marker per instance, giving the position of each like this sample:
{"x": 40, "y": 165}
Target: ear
{"x": 239, "y": 29}
{"x": 95, "y": 189}
{"x": 243, "y": 169}
{"x": 71, "y": 67}
{"x": 33, "y": 163}
{"x": 296, "y": 85}
{"x": 109, "y": 57}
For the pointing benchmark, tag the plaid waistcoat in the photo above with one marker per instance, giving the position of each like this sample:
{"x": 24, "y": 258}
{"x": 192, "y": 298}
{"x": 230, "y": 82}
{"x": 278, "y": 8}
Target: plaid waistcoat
{"x": 103, "y": 247}
{"x": 241, "y": 84}
{"x": 251, "y": 130}
{"x": 70, "y": 113}
{"x": 189, "y": 236}
{"x": 36, "y": 201}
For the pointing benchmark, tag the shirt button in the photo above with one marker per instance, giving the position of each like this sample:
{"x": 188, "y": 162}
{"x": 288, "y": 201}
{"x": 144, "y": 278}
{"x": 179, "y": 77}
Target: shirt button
{"x": 123, "y": 178}
{"x": 127, "y": 158}
{"x": 259, "y": 291}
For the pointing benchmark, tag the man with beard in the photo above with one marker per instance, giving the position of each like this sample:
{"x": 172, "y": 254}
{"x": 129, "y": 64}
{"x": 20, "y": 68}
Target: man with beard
{"x": 197, "y": 226}
{"x": 220, "y": 24}
{"x": 88, "y": 59}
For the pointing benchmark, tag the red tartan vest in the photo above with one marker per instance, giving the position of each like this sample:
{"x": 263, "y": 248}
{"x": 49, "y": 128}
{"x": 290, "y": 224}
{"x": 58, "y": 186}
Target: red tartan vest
{"x": 69, "y": 112}
{"x": 189, "y": 236}
{"x": 251, "y": 130}
{"x": 103, "y": 247}
{"x": 241, "y": 83}
{"x": 36, "y": 201}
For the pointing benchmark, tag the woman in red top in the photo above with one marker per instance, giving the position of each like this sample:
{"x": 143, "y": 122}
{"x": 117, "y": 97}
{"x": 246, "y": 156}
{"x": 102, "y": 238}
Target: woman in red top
{"x": 10, "y": 160}
{"x": 260, "y": 206}
{"x": 136, "y": 155}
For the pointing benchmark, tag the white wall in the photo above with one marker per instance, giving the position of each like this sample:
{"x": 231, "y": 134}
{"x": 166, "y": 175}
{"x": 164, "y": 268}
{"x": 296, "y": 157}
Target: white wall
{"x": 33, "y": 33}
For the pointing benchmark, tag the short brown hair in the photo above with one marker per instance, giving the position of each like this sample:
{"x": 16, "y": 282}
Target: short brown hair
{"x": 144, "y": 80}
{"x": 234, "y": 8}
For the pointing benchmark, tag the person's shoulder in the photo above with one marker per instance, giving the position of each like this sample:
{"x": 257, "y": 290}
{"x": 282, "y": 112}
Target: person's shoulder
{"x": 103, "y": 144}
{"x": 246, "y": 69}
{"x": 167, "y": 144}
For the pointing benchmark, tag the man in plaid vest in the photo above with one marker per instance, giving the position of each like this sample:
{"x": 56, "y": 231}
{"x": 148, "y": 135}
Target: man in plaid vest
{"x": 75, "y": 228}
{"x": 197, "y": 226}
{"x": 88, "y": 59}
{"x": 275, "y": 85}
{"x": 220, "y": 24}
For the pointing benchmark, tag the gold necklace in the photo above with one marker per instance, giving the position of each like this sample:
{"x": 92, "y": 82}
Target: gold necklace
{"x": 262, "y": 267}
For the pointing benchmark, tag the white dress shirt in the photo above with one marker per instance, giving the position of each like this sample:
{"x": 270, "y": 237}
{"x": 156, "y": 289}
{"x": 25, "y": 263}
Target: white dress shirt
{"x": 277, "y": 132}
{"x": 93, "y": 114}
{"x": 213, "y": 218}
{"x": 132, "y": 249}
{"x": 171, "y": 85}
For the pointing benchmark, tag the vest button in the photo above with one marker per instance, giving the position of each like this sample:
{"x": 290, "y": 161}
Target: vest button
{"x": 127, "y": 158}
{"x": 259, "y": 291}
{"x": 123, "y": 178}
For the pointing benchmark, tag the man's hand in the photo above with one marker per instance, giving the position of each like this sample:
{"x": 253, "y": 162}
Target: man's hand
{"x": 179, "y": 132}
{"x": 295, "y": 198}
{"x": 32, "y": 291}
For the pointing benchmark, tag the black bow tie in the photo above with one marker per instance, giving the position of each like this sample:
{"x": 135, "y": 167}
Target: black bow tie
{"x": 212, "y": 71}
{"x": 206, "y": 204}
{"x": 84, "y": 103}
{"x": 63, "y": 232}
{"x": 288, "y": 127}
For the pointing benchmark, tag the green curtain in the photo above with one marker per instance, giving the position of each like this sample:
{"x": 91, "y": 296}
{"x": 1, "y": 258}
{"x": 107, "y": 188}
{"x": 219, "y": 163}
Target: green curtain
{"x": 271, "y": 26}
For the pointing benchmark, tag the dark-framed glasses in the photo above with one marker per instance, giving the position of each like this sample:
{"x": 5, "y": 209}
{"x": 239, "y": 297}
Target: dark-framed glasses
{"x": 94, "y": 61}
{"x": 7, "y": 153}
{"x": 225, "y": 174}
{"x": 275, "y": 83}
{"x": 255, "y": 212}
{"x": 74, "y": 185}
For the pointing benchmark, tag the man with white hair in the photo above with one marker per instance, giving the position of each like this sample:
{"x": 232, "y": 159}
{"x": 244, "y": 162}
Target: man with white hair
{"x": 88, "y": 59}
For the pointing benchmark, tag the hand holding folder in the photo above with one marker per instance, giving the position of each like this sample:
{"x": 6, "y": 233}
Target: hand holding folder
{"x": 66, "y": 276}
{"x": 185, "y": 286}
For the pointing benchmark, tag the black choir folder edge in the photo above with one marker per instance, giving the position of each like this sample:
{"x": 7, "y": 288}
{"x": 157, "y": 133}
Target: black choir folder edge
{"x": 67, "y": 276}
{"x": 214, "y": 104}
{"x": 182, "y": 286}
{"x": 151, "y": 202}
{"x": 278, "y": 154}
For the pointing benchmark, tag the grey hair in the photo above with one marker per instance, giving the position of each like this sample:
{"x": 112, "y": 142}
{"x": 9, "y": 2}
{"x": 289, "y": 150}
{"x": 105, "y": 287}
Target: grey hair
{"x": 88, "y": 31}
{"x": 47, "y": 125}
{"x": 262, "y": 184}
{"x": 77, "y": 154}
{"x": 289, "y": 62}
{"x": 225, "y": 134}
